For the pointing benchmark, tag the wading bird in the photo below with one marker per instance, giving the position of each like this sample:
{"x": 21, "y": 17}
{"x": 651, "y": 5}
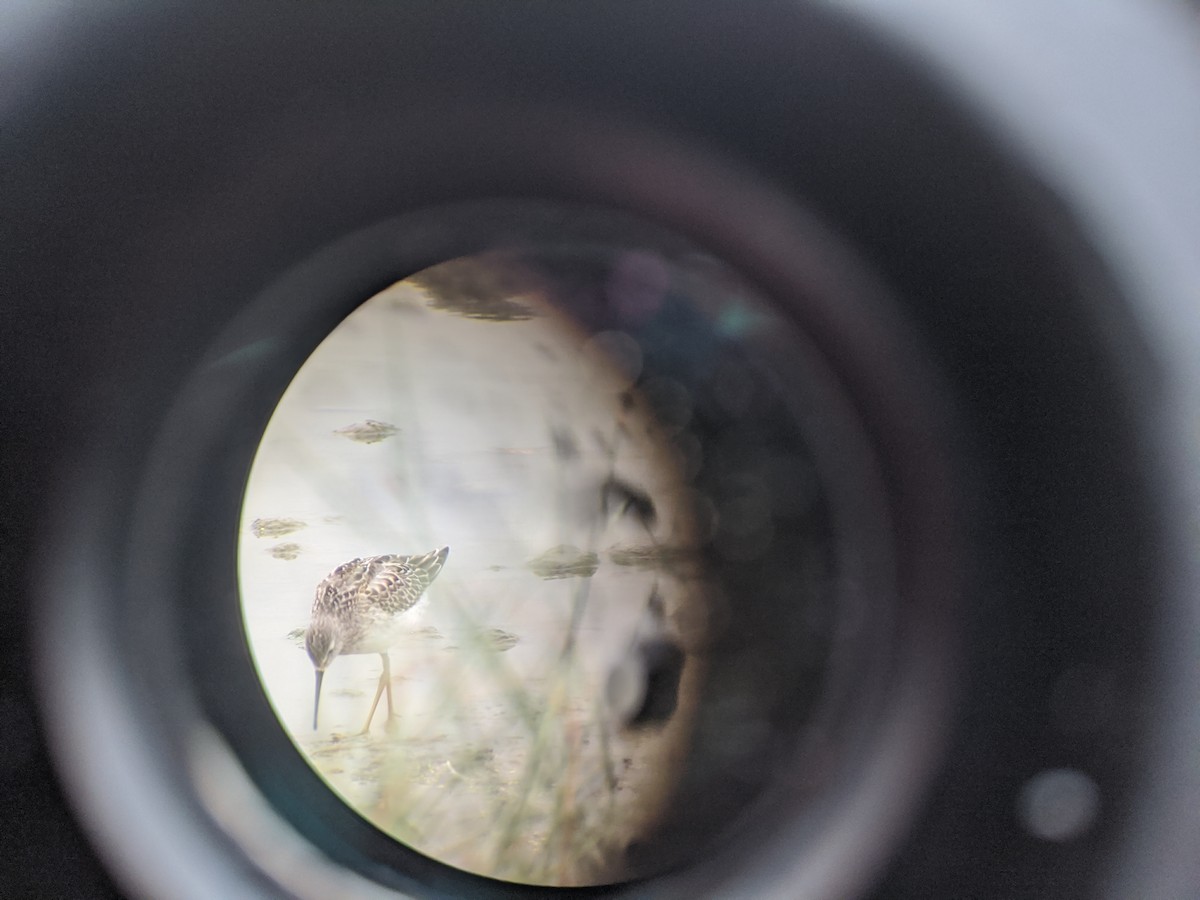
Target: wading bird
{"x": 358, "y": 609}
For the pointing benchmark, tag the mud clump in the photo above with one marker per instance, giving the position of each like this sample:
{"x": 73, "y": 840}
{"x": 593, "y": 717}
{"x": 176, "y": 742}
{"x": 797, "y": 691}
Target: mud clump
{"x": 272, "y": 528}
{"x": 564, "y": 561}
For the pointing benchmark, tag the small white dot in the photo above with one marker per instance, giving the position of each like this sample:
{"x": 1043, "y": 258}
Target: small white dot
{"x": 1058, "y": 804}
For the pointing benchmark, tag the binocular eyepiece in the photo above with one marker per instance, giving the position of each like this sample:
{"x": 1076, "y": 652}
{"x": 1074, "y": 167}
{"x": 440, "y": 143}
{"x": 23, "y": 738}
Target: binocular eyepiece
{"x": 716, "y": 449}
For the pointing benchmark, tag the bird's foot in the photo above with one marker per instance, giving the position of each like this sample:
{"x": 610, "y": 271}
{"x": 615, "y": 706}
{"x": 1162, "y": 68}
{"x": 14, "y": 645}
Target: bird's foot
{"x": 391, "y": 725}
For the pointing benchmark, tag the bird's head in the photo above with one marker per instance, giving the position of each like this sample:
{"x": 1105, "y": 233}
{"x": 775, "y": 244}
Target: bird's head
{"x": 323, "y": 643}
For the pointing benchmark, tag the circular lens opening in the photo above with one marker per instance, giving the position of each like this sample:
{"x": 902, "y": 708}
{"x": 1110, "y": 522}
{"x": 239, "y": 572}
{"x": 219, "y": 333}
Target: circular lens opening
{"x": 539, "y": 566}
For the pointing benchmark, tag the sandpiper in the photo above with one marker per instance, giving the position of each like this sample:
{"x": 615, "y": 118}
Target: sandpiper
{"x": 358, "y": 609}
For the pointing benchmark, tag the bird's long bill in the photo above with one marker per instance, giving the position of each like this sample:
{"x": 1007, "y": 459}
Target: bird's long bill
{"x": 317, "y": 696}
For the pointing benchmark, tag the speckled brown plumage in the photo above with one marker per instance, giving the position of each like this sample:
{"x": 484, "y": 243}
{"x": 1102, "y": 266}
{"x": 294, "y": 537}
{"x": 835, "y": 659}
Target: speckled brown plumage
{"x": 359, "y": 607}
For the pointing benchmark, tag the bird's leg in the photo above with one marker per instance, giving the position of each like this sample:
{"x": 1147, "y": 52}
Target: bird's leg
{"x": 384, "y": 678}
{"x": 387, "y": 673}
{"x": 385, "y": 683}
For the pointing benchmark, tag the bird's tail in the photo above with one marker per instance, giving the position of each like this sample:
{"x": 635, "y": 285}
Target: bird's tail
{"x": 429, "y": 564}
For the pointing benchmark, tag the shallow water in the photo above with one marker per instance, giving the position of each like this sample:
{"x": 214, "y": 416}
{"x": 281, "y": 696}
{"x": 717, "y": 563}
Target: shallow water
{"x": 505, "y": 432}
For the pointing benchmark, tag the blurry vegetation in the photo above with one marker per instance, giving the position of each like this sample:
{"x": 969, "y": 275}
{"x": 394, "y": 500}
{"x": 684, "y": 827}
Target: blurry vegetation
{"x": 521, "y": 780}
{"x": 533, "y": 797}
{"x": 681, "y": 561}
{"x": 285, "y": 551}
{"x": 492, "y": 638}
{"x": 624, "y": 499}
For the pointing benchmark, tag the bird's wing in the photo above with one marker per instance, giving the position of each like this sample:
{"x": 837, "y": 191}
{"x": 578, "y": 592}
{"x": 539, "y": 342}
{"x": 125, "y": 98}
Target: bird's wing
{"x": 396, "y": 583}
{"x": 342, "y": 586}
